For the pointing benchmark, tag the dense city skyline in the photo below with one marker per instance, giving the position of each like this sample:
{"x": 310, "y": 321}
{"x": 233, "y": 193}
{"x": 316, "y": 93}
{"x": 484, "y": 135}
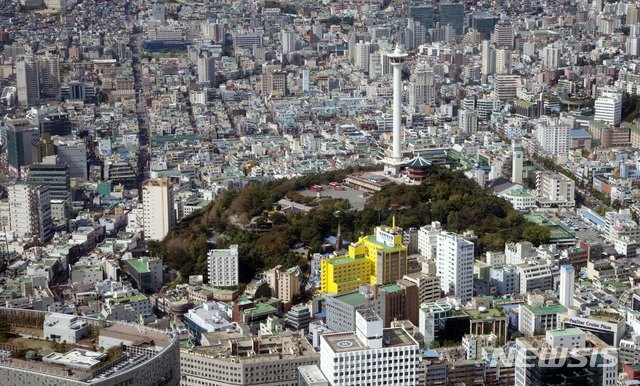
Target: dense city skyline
{"x": 336, "y": 192}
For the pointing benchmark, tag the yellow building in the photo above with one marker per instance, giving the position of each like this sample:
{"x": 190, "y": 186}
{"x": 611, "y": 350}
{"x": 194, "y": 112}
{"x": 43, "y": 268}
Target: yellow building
{"x": 344, "y": 274}
{"x": 380, "y": 258}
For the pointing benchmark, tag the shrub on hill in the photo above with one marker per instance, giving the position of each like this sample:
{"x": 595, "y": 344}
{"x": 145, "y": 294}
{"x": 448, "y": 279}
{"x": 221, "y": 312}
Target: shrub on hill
{"x": 446, "y": 196}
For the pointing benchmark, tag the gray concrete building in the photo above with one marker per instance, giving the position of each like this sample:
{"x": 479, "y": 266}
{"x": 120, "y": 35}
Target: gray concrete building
{"x": 148, "y": 357}
{"x": 234, "y": 358}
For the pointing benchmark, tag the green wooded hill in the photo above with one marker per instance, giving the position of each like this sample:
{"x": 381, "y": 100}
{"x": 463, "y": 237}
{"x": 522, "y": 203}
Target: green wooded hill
{"x": 446, "y": 196}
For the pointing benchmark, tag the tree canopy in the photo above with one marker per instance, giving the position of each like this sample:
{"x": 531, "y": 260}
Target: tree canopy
{"x": 446, "y": 196}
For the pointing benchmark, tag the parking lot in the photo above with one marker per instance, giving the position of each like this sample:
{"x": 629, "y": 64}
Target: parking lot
{"x": 584, "y": 230}
{"x": 356, "y": 198}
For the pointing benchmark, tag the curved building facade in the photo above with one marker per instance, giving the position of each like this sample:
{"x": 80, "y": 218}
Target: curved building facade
{"x": 121, "y": 354}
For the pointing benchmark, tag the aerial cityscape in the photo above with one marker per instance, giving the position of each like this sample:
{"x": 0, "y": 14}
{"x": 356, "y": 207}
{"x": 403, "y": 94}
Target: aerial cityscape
{"x": 319, "y": 193}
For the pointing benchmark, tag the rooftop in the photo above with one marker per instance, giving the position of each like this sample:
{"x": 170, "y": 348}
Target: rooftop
{"x": 311, "y": 373}
{"x": 536, "y": 218}
{"x": 387, "y": 248}
{"x": 566, "y": 332}
{"x": 541, "y": 348}
{"x": 349, "y": 341}
{"x": 217, "y": 290}
{"x": 524, "y": 103}
{"x": 418, "y": 162}
{"x": 219, "y": 253}
{"x": 88, "y": 364}
{"x": 606, "y": 316}
{"x": 344, "y": 342}
{"x": 344, "y": 260}
{"x": 259, "y": 308}
{"x": 520, "y": 193}
{"x": 580, "y": 133}
{"x": 544, "y": 310}
{"x": 490, "y": 313}
{"x": 139, "y": 265}
{"x": 354, "y": 299}
{"x": 136, "y": 334}
{"x": 392, "y": 288}
{"x": 76, "y": 359}
{"x": 133, "y": 298}
{"x": 160, "y": 182}
{"x": 232, "y": 347}
{"x": 559, "y": 232}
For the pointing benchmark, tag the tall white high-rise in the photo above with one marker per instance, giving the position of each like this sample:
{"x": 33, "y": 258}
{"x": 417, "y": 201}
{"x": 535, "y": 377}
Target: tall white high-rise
{"x": 597, "y": 5}
{"x": 567, "y": 277}
{"x": 422, "y": 88}
{"x": 468, "y": 121}
{"x": 206, "y": 69}
{"x": 488, "y": 60}
{"x": 408, "y": 36}
{"x": 28, "y": 80}
{"x": 372, "y": 355}
{"x": 529, "y": 48}
{"x": 212, "y": 31}
{"x": 223, "y": 267}
{"x": 503, "y": 61}
{"x": 454, "y": 263}
{"x": 305, "y": 79}
{"x": 551, "y": 56}
{"x": 363, "y": 50}
{"x": 159, "y": 215}
{"x": 30, "y": 211}
{"x": 414, "y": 35}
{"x": 553, "y": 137}
{"x": 555, "y": 189}
{"x": 632, "y": 15}
{"x": 375, "y": 66}
{"x": 517, "y": 156}
{"x": 632, "y": 46}
{"x": 428, "y": 240}
{"x": 609, "y": 108}
{"x": 288, "y": 41}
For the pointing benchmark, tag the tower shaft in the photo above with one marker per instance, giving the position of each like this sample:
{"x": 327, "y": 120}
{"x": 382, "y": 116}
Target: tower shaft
{"x": 397, "y": 109}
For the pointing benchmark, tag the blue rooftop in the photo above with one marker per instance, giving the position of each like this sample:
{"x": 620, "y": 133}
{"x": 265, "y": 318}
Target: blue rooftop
{"x": 579, "y": 134}
{"x": 430, "y": 353}
{"x": 418, "y": 162}
{"x": 594, "y": 218}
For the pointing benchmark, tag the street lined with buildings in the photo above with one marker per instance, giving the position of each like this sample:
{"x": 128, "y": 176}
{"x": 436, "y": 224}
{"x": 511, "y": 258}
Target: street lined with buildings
{"x": 126, "y": 121}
